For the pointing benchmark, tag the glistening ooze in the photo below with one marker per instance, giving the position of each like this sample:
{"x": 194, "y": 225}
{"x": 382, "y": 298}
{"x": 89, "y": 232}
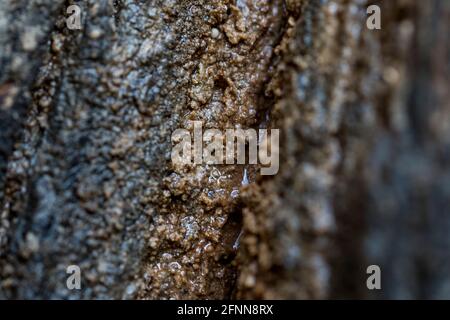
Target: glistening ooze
{"x": 217, "y": 147}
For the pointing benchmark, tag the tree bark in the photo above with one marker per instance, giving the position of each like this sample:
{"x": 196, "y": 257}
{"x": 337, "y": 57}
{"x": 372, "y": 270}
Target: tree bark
{"x": 85, "y": 145}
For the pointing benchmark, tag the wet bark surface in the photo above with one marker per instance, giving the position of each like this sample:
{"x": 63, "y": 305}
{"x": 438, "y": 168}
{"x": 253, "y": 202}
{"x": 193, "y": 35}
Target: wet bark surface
{"x": 85, "y": 144}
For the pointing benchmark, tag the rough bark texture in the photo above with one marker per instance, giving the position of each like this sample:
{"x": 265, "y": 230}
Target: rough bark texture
{"x": 86, "y": 119}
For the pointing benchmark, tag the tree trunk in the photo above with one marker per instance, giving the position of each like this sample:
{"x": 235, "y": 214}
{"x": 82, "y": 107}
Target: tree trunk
{"x": 86, "y": 176}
